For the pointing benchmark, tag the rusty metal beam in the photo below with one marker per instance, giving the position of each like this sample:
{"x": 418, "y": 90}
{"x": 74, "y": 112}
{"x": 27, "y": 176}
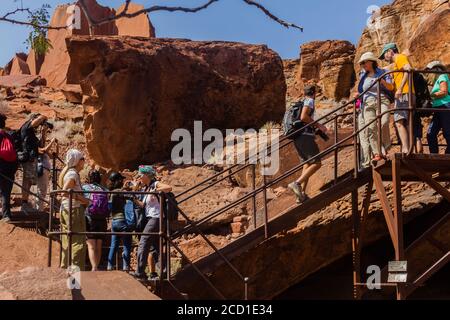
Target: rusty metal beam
{"x": 428, "y": 273}
{"x": 438, "y": 244}
{"x": 356, "y": 250}
{"x": 387, "y": 211}
{"x": 428, "y": 179}
{"x": 398, "y": 219}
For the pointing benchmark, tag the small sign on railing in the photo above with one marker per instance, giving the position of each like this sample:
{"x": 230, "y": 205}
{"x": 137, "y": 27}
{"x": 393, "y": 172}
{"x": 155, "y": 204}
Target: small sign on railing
{"x": 397, "y": 271}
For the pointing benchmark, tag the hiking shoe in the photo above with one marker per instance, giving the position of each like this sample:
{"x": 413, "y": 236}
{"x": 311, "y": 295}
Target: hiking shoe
{"x": 27, "y": 208}
{"x": 153, "y": 276}
{"x": 139, "y": 276}
{"x": 297, "y": 191}
{"x": 6, "y": 219}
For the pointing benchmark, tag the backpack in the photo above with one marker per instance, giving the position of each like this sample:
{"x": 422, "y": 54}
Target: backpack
{"x": 130, "y": 217}
{"x": 423, "y": 97}
{"x": 171, "y": 207}
{"x": 99, "y": 206}
{"x": 291, "y": 119}
{"x": 7, "y": 149}
{"x": 24, "y": 144}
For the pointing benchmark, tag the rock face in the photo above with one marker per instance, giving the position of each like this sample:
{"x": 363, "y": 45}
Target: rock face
{"x": 146, "y": 88}
{"x": 329, "y": 64}
{"x": 418, "y": 27}
{"x": 139, "y": 26}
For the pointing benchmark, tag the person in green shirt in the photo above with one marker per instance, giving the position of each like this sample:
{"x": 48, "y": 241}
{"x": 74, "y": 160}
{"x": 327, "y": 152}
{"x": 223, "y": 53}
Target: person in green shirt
{"x": 441, "y": 99}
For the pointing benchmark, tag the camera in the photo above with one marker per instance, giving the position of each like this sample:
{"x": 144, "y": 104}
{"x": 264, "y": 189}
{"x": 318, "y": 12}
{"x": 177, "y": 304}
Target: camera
{"x": 48, "y": 125}
{"x": 322, "y": 134}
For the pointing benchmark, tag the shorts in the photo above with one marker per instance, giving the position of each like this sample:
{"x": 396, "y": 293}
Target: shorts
{"x": 96, "y": 225}
{"x": 402, "y": 103}
{"x": 30, "y": 171}
{"x": 307, "y": 147}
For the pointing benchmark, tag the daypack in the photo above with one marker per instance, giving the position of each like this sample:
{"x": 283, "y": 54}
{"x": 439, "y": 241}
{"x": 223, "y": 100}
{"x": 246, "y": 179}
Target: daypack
{"x": 24, "y": 144}
{"x": 423, "y": 97}
{"x": 99, "y": 206}
{"x": 291, "y": 119}
{"x": 7, "y": 150}
{"x": 130, "y": 216}
{"x": 171, "y": 207}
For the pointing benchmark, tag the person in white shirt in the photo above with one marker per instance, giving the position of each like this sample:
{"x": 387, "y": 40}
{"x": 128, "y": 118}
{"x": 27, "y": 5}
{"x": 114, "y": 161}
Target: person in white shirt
{"x": 151, "y": 204}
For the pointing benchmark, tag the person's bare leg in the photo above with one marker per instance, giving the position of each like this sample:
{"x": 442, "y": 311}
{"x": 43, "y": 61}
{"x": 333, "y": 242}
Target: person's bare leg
{"x": 92, "y": 254}
{"x": 403, "y": 133}
{"x": 98, "y": 253}
{"x": 307, "y": 173}
{"x": 305, "y": 183}
{"x": 419, "y": 146}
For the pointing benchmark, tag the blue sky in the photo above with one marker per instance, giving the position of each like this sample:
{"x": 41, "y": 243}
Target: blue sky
{"x": 231, "y": 20}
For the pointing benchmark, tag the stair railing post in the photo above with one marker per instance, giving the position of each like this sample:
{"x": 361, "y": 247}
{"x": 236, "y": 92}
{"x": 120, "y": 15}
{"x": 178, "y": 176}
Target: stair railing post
{"x": 254, "y": 195}
{"x": 336, "y": 150}
{"x": 379, "y": 117}
{"x": 411, "y": 111}
{"x": 266, "y": 218}
{"x": 69, "y": 231}
{"x": 355, "y": 143}
{"x": 50, "y": 222}
{"x": 161, "y": 234}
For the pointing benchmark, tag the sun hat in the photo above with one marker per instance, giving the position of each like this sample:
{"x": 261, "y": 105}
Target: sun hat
{"x": 386, "y": 48}
{"x": 147, "y": 170}
{"x": 73, "y": 157}
{"x": 435, "y": 64}
{"x": 368, "y": 56}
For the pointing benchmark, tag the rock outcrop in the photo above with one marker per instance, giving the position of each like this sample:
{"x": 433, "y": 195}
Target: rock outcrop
{"x": 34, "y": 62}
{"x": 146, "y": 88}
{"x": 57, "y": 60}
{"x": 19, "y": 65}
{"x": 419, "y": 28}
{"x": 329, "y": 64}
{"x": 139, "y": 26}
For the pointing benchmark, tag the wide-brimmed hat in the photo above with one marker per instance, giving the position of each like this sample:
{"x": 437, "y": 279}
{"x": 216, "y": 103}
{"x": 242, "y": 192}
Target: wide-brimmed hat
{"x": 368, "y": 56}
{"x": 435, "y": 64}
{"x": 386, "y": 48}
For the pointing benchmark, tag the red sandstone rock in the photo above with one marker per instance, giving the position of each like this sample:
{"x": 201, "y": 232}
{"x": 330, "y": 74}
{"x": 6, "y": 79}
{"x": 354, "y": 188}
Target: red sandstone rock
{"x": 147, "y": 88}
{"x": 56, "y": 62}
{"x": 19, "y": 66}
{"x": 139, "y": 26}
{"x": 329, "y": 64}
{"x": 34, "y": 62}
{"x": 418, "y": 27}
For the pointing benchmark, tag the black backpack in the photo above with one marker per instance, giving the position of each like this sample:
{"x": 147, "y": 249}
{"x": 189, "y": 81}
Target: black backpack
{"x": 25, "y": 144}
{"x": 291, "y": 119}
{"x": 423, "y": 97}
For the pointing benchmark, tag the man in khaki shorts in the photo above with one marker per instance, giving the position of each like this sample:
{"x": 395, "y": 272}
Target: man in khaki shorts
{"x": 400, "y": 61}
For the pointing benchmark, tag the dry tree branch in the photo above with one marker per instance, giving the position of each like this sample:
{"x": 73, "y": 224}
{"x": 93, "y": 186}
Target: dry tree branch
{"x": 124, "y": 14}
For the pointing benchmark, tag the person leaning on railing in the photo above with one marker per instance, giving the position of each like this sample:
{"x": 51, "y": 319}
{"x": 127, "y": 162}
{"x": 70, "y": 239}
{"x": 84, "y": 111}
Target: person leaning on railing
{"x": 151, "y": 203}
{"x": 400, "y": 61}
{"x": 369, "y": 109}
{"x": 441, "y": 99}
{"x": 70, "y": 180}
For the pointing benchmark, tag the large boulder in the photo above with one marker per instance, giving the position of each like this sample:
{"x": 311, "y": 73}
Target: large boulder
{"x": 420, "y": 28}
{"x": 329, "y": 64}
{"x": 139, "y": 26}
{"x": 139, "y": 90}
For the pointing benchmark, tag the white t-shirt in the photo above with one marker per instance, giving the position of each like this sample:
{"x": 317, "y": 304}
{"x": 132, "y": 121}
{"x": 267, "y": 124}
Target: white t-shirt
{"x": 152, "y": 206}
{"x": 72, "y": 174}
